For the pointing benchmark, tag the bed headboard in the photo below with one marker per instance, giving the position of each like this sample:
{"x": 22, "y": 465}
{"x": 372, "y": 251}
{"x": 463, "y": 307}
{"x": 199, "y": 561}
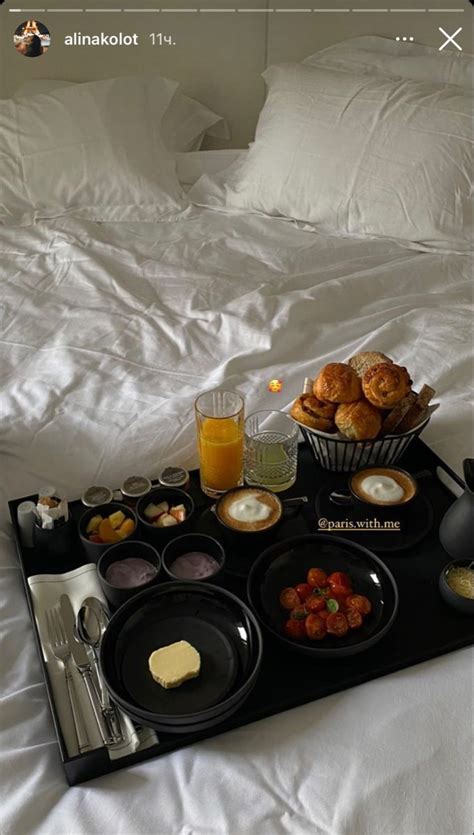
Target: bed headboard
{"x": 219, "y": 55}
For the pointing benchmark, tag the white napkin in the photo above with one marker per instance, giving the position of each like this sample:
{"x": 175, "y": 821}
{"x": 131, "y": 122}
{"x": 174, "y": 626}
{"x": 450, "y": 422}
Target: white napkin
{"x": 46, "y": 590}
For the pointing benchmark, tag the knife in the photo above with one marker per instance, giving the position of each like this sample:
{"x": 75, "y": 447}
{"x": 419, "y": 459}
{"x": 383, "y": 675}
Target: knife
{"x": 83, "y": 664}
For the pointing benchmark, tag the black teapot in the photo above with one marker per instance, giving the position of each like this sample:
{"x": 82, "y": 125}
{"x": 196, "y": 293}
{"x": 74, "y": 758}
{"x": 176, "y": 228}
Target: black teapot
{"x": 456, "y": 531}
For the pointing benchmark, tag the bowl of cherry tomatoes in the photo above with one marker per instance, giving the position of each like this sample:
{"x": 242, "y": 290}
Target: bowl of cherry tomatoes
{"x": 323, "y": 595}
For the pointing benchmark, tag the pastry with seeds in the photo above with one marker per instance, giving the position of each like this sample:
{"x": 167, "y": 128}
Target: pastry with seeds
{"x": 366, "y": 359}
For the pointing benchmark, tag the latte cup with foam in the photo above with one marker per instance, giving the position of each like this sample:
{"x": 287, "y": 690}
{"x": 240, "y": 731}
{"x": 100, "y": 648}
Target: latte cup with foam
{"x": 383, "y": 487}
{"x": 249, "y": 510}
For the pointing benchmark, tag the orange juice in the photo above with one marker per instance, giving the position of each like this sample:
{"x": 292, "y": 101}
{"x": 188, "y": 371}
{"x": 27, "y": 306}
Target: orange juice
{"x": 221, "y": 453}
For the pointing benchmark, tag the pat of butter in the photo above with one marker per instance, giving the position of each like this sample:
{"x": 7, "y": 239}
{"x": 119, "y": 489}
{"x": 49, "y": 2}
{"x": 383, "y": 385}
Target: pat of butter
{"x": 172, "y": 665}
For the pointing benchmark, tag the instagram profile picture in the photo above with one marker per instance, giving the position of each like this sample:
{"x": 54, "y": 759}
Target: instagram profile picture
{"x": 31, "y": 38}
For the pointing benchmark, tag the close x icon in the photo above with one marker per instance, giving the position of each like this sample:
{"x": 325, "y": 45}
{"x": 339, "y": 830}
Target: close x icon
{"x": 450, "y": 38}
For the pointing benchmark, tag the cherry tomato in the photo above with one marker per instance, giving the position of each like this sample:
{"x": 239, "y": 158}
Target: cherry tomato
{"x": 315, "y": 627}
{"x": 315, "y": 603}
{"x": 359, "y": 602}
{"x": 337, "y": 589}
{"x": 295, "y": 629}
{"x": 303, "y": 590}
{"x": 289, "y": 598}
{"x": 337, "y": 624}
{"x": 324, "y": 614}
{"x": 354, "y": 618}
{"x": 298, "y": 613}
{"x": 316, "y": 577}
{"x": 340, "y": 579}
{"x": 340, "y": 599}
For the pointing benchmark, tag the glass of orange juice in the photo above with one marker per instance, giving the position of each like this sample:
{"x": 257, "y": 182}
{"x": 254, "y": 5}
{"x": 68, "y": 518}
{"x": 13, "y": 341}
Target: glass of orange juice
{"x": 220, "y": 433}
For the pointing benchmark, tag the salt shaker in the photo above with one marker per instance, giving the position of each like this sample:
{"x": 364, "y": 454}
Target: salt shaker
{"x": 26, "y": 516}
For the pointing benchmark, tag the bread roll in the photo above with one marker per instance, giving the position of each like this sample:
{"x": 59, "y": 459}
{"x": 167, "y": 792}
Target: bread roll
{"x": 338, "y": 383}
{"x": 365, "y": 360}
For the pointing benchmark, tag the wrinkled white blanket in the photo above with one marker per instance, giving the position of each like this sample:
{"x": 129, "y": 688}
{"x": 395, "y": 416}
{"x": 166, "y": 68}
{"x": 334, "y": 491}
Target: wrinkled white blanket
{"x": 107, "y": 334}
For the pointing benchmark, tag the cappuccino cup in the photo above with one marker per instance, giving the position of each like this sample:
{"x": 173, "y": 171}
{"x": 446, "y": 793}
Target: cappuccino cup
{"x": 249, "y": 510}
{"x": 383, "y": 486}
{"x": 253, "y": 511}
{"x": 384, "y": 490}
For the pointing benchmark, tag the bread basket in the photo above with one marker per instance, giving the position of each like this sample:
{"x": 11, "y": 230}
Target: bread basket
{"x": 341, "y": 455}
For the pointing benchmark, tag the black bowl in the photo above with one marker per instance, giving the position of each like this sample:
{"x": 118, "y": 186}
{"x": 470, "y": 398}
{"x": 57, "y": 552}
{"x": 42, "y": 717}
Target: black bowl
{"x": 160, "y": 536}
{"x": 94, "y": 550}
{"x": 192, "y": 727}
{"x": 287, "y": 563}
{"x": 452, "y": 598}
{"x": 218, "y": 624}
{"x": 120, "y": 551}
{"x": 193, "y": 542}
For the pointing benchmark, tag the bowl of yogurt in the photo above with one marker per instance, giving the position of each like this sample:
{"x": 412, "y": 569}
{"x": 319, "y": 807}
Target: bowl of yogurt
{"x": 127, "y": 568}
{"x": 193, "y": 556}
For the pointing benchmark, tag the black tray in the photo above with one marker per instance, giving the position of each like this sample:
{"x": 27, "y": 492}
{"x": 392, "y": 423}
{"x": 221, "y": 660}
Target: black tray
{"x": 425, "y": 626}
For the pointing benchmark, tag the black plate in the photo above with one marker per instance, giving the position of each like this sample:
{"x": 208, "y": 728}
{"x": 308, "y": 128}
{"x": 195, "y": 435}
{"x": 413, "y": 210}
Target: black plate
{"x": 193, "y": 727}
{"x": 287, "y": 563}
{"x": 217, "y": 623}
{"x": 154, "y": 629}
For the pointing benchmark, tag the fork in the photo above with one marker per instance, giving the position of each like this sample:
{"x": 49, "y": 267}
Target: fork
{"x": 60, "y": 648}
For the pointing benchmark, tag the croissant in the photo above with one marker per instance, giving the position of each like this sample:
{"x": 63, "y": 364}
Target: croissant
{"x": 359, "y": 421}
{"x": 338, "y": 383}
{"x": 386, "y": 384}
{"x": 314, "y": 413}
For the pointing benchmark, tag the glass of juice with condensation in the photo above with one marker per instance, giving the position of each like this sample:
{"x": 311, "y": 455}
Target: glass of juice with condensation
{"x": 220, "y": 435}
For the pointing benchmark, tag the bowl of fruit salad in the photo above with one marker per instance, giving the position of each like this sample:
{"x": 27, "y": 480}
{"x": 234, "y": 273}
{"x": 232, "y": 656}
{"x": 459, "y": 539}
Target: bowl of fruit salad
{"x": 323, "y": 595}
{"x": 164, "y": 513}
{"x": 104, "y": 525}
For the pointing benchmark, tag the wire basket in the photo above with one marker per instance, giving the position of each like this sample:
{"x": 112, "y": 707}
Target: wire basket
{"x": 341, "y": 455}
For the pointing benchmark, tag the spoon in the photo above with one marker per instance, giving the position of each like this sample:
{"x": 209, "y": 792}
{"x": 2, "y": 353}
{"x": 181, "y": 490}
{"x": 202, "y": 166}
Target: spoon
{"x": 92, "y": 620}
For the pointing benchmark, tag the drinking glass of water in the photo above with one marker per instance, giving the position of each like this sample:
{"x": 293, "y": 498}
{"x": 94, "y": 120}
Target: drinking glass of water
{"x": 271, "y": 450}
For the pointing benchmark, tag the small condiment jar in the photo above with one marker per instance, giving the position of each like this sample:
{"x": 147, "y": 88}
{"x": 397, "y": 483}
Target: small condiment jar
{"x": 96, "y": 495}
{"x": 134, "y": 487}
{"x": 174, "y": 477}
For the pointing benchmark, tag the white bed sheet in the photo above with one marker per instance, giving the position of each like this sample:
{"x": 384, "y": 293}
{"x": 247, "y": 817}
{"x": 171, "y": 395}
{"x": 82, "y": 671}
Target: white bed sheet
{"x": 107, "y": 334}
{"x": 190, "y": 166}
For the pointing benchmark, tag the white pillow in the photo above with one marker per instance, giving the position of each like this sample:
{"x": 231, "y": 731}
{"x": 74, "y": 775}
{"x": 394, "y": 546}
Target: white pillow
{"x": 92, "y": 150}
{"x": 361, "y": 155}
{"x": 184, "y": 125}
{"x": 371, "y": 53}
